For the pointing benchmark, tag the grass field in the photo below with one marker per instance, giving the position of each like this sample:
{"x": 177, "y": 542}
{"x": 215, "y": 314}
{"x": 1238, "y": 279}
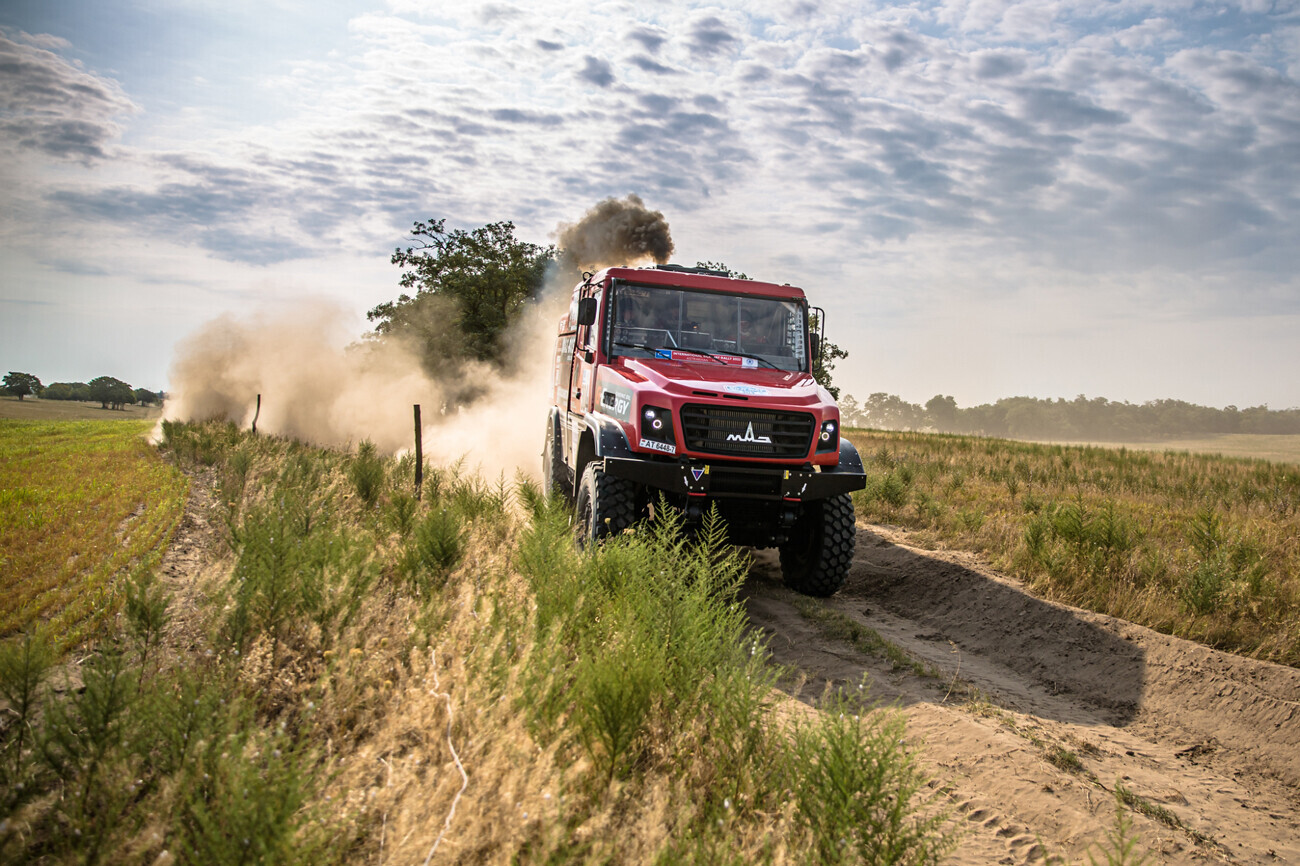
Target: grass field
{"x": 1200, "y": 546}
{"x": 31, "y": 409}
{"x": 83, "y": 504}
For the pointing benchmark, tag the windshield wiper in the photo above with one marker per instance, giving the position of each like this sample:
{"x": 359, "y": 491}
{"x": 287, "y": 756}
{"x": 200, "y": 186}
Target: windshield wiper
{"x": 643, "y": 347}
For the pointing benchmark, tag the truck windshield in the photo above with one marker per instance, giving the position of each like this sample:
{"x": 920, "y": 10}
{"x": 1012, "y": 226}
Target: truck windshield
{"x": 708, "y": 327}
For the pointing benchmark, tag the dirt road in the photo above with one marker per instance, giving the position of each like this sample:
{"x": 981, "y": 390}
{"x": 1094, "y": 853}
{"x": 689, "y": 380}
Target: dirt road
{"x": 1039, "y": 710}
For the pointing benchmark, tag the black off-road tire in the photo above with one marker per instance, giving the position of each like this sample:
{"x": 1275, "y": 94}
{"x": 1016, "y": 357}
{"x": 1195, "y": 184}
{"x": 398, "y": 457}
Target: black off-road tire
{"x": 555, "y": 475}
{"x": 816, "y": 559}
{"x": 606, "y": 505}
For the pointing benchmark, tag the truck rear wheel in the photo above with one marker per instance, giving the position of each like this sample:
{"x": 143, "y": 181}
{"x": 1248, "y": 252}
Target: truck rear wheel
{"x": 815, "y": 561}
{"x": 606, "y": 505}
{"x": 555, "y": 476}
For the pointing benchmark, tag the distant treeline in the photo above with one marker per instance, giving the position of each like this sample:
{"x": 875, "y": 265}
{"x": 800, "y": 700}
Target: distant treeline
{"x": 82, "y": 391}
{"x": 1096, "y": 419}
{"x": 105, "y": 390}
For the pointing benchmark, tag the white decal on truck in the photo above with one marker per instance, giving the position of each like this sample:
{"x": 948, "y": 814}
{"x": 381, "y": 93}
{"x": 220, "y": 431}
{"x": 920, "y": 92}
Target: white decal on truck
{"x": 749, "y": 436}
{"x": 750, "y": 390}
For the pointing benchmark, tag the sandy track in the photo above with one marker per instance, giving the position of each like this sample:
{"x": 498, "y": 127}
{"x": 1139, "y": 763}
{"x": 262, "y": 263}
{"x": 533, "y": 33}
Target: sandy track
{"x": 1210, "y": 738}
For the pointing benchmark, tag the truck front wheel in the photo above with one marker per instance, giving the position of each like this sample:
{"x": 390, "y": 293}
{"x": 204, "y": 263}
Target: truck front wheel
{"x": 606, "y": 505}
{"x": 815, "y": 561}
{"x": 555, "y": 476}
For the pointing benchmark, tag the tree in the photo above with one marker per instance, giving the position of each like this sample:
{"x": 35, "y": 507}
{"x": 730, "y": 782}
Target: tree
{"x": 469, "y": 287}
{"x": 22, "y": 384}
{"x": 66, "y": 391}
{"x": 719, "y": 266}
{"x": 825, "y": 360}
{"x": 943, "y": 413}
{"x": 111, "y": 393}
{"x": 145, "y": 397}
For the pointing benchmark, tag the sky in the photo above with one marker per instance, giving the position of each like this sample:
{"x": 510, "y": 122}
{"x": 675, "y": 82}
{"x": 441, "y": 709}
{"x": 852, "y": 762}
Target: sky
{"x": 988, "y": 198}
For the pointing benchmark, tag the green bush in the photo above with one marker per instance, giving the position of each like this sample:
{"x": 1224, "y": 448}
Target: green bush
{"x": 243, "y": 797}
{"x": 434, "y": 550}
{"x": 24, "y": 663}
{"x": 856, "y": 789}
{"x": 367, "y": 473}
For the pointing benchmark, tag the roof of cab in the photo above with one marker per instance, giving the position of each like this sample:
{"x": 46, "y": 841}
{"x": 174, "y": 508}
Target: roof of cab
{"x": 687, "y": 279}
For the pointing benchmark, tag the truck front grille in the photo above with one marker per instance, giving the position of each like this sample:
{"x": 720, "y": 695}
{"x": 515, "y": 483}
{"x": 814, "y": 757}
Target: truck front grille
{"x": 746, "y": 432}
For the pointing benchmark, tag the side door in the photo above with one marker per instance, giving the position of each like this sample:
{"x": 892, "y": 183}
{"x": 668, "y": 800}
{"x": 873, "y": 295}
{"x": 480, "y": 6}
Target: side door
{"x": 583, "y": 370}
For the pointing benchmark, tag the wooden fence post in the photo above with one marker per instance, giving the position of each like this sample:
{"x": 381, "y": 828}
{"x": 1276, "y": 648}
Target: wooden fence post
{"x": 419, "y": 454}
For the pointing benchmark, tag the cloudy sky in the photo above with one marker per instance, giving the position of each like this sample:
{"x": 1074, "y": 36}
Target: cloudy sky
{"x": 989, "y": 198}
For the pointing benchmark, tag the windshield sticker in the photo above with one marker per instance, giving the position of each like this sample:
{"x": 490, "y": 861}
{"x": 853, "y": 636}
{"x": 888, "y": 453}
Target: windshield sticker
{"x": 658, "y": 446}
{"x": 707, "y": 357}
{"x": 748, "y": 390}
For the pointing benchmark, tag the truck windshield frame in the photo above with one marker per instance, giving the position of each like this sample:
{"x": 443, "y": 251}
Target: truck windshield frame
{"x": 706, "y": 327}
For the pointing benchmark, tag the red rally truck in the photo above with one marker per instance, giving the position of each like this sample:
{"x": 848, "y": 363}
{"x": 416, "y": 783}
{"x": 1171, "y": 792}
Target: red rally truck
{"x": 687, "y": 384}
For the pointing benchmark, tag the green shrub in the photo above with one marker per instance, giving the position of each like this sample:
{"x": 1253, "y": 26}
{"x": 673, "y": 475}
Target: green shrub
{"x": 277, "y": 576}
{"x": 24, "y": 663}
{"x": 616, "y": 688}
{"x": 367, "y": 473}
{"x": 243, "y": 798}
{"x": 434, "y": 550}
{"x": 146, "y": 610}
{"x": 856, "y": 789}
{"x": 402, "y": 508}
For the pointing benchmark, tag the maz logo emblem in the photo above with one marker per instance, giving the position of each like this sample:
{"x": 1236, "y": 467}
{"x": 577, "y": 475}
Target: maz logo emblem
{"x": 749, "y": 436}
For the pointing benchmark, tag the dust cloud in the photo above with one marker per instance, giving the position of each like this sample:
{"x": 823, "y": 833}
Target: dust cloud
{"x": 315, "y": 384}
{"x": 320, "y": 384}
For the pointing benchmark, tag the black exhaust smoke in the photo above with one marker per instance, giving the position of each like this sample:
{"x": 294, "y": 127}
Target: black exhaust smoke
{"x": 615, "y": 232}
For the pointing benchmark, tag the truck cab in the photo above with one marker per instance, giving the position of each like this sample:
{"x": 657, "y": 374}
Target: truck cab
{"x": 686, "y": 387}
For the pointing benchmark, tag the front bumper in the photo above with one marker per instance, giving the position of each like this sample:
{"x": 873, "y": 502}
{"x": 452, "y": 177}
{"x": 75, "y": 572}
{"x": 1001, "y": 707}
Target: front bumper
{"x": 722, "y": 480}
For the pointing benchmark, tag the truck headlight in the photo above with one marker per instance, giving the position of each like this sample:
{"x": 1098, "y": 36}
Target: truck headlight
{"x": 829, "y": 438}
{"x": 657, "y": 423}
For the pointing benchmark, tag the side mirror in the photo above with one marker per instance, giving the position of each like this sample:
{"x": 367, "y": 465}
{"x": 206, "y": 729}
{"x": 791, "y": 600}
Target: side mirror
{"x": 816, "y": 346}
{"x": 587, "y": 311}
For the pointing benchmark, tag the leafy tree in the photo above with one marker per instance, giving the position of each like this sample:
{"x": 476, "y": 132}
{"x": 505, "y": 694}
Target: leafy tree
{"x": 469, "y": 287}
{"x": 22, "y": 384}
{"x": 824, "y": 363}
{"x": 111, "y": 393}
{"x": 145, "y": 397}
{"x": 719, "y": 266}
{"x": 943, "y": 413}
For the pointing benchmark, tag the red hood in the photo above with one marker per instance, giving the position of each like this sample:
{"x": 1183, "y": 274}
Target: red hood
{"x": 760, "y": 384}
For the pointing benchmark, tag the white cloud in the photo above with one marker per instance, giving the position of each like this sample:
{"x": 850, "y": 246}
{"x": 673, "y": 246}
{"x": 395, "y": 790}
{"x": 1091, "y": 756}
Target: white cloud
{"x": 51, "y": 106}
{"x": 980, "y": 150}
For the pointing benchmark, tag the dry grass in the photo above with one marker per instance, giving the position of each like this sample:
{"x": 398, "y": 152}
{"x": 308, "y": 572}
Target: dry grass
{"x": 1199, "y": 546}
{"x": 82, "y": 506}
{"x": 1279, "y": 448}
